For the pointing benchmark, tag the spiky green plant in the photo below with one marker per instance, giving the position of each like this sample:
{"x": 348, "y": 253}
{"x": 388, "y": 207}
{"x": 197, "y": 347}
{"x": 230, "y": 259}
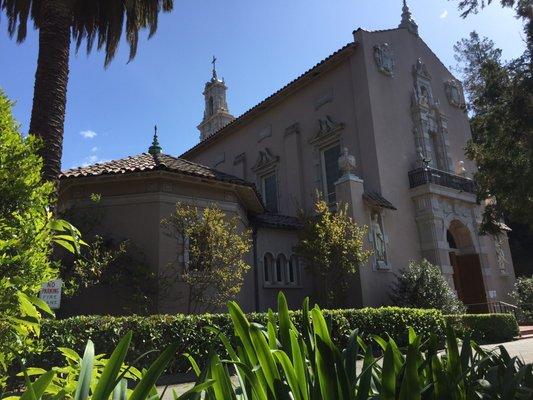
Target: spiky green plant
{"x": 277, "y": 361}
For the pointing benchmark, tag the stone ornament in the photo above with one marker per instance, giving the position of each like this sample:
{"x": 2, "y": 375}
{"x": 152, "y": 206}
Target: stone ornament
{"x": 454, "y": 93}
{"x": 328, "y": 131}
{"x": 421, "y": 69}
{"x": 347, "y": 163}
{"x": 327, "y": 125}
{"x": 500, "y": 253}
{"x": 265, "y": 160}
{"x": 379, "y": 240}
{"x": 384, "y": 57}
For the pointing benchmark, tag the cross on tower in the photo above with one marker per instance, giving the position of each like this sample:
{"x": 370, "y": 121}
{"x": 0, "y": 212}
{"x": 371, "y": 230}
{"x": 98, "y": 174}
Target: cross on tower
{"x": 214, "y": 62}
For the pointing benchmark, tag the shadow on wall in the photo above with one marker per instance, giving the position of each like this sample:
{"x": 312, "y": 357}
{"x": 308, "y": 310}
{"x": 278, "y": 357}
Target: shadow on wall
{"x": 103, "y": 299}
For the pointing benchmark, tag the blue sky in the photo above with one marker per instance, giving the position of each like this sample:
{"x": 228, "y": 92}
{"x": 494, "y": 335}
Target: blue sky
{"x": 260, "y": 47}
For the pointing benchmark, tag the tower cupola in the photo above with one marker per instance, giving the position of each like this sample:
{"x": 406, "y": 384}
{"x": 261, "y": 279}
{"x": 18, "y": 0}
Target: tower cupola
{"x": 216, "y": 113}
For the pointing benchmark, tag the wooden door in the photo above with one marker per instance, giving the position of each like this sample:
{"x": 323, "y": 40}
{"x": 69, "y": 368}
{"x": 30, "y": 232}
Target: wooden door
{"x": 471, "y": 283}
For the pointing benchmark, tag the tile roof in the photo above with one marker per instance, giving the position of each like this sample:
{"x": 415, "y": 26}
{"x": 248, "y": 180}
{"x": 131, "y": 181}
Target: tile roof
{"x": 146, "y": 162}
{"x": 270, "y": 220}
{"x": 270, "y": 99}
{"x": 377, "y": 200}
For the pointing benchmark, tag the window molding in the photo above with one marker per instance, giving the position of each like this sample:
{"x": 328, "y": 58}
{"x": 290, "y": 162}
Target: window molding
{"x": 266, "y": 161}
{"x": 329, "y": 131}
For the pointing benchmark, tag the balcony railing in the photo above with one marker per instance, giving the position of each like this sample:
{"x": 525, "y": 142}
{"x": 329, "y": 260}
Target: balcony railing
{"x": 421, "y": 176}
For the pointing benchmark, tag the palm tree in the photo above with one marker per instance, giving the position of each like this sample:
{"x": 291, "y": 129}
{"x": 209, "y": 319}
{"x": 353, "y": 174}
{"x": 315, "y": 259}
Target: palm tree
{"x": 85, "y": 21}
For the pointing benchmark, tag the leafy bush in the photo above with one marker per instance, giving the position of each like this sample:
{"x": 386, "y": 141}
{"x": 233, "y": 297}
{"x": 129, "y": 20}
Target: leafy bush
{"x": 158, "y": 331}
{"x": 523, "y": 295}
{"x": 27, "y": 232}
{"x": 486, "y": 328}
{"x": 98, "y": 378}
{"x": 331, "y": 244}
{"x": 215, "y": 270}
{"x": 421, "y": 285}
{"x": 294, "y": 356}
{"x": 25, "y": 237}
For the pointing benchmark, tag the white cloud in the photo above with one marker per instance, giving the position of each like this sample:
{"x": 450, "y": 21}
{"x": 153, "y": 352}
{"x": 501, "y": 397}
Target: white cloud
{"x": 444, "y": 14}
{"x": 90, "y": 160}
{"x": 88, "y": 134}
{"x": 94, "y": 149}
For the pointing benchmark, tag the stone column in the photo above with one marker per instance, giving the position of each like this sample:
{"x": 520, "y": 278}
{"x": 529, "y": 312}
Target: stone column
{"x": 432, "y": 234}
{"x": 349, "y": 190}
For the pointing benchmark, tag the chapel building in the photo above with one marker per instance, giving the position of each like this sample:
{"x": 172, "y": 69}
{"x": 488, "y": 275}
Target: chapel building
{"x": 380, "y": 124}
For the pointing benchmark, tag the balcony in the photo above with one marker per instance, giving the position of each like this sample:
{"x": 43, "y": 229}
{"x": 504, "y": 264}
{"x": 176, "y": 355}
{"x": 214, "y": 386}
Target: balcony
{"x": 422, "y": 176}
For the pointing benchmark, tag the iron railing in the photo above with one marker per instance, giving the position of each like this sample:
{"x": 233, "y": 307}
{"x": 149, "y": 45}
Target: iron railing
{"x": 492, "y": 307}
{"x": 421, "y": 176}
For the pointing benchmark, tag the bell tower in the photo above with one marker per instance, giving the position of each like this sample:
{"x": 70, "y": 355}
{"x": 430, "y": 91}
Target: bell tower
{"x": 216, "y": 114}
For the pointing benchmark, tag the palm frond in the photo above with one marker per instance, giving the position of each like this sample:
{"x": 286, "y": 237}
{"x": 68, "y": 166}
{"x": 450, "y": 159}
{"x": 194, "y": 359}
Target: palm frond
{"x": 100, "y": 21}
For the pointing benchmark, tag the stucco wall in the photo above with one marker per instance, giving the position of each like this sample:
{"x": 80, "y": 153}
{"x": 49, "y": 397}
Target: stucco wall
{"x": 132, "y": 208}
{"x": 378, "y": 129}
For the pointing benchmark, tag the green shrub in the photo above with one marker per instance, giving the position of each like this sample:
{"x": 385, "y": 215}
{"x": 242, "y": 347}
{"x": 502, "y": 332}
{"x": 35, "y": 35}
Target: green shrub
{"x": 421, "y": 285}
{"x": 523, "y": 295}
{"x": 294, "y": 356}
{"x": 25, "y": 237}
{"x": 158, "y": 331}
{"x": 486, "y": 328}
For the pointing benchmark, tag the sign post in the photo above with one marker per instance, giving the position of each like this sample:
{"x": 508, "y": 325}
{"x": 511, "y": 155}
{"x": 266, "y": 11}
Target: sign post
{"x": 51, "y": 293}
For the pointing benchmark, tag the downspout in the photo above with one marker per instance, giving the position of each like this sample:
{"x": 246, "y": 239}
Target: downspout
{"x": 256, "y": 272}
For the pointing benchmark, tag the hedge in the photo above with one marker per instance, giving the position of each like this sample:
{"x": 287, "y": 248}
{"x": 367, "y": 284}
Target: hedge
{"x": 486, "y": 328}
{"x": 157, "y": 331}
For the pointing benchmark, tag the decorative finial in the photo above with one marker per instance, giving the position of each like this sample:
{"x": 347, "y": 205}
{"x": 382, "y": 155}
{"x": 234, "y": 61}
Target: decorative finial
{"x": 214, "y": 62}
{"x": 155, "y": 148}
{"x": 407, "y": 20}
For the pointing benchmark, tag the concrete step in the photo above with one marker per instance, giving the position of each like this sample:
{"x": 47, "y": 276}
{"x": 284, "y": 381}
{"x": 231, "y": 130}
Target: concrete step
{"x": 526, "y": 330}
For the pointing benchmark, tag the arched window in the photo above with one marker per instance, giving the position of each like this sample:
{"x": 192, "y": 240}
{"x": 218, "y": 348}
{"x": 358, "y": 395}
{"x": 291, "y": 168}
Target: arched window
{"x": 211, "y": 106}
{"x": 292, "y": 270}
{"x": 268, "y": 261}
{"x": 281, "y": 261}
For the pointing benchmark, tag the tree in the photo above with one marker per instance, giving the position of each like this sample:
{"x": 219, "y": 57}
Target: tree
{"x": 215, "y": 269}
{"x": 331, "y": 246}
{"x": 25, "y": 238}
{"x": 501, "y": 109}
{"x": 105, "y": 262}
{"x": 523, "y": 295}
{"x": 86, "y": 21}
{"x": 421, "y": 285}
{"x": 117, "y": 266}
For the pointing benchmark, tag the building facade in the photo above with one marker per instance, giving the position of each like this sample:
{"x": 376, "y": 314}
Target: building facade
{"x": 380, "y": 124}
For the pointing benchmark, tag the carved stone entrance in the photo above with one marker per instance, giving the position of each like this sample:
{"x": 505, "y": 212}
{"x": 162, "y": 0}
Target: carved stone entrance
{"x": 447, "y": 221}
{"x": 466, "y": 265}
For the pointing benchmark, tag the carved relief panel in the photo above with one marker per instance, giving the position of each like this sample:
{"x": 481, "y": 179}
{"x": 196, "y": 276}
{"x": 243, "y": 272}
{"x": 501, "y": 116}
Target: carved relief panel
{"x": 431, "y": 127}
{"x": 454, "y": 93}
{"x": 384, "y": 58}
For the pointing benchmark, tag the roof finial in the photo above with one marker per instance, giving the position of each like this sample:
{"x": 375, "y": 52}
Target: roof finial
{"x": 407, "y": 20}
{"x": 214, "y": 62}
{"x": 155, "y": 148}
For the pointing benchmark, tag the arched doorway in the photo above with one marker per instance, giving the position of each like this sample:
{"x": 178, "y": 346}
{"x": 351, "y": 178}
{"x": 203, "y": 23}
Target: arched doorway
{"x": 467, "y": 274}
